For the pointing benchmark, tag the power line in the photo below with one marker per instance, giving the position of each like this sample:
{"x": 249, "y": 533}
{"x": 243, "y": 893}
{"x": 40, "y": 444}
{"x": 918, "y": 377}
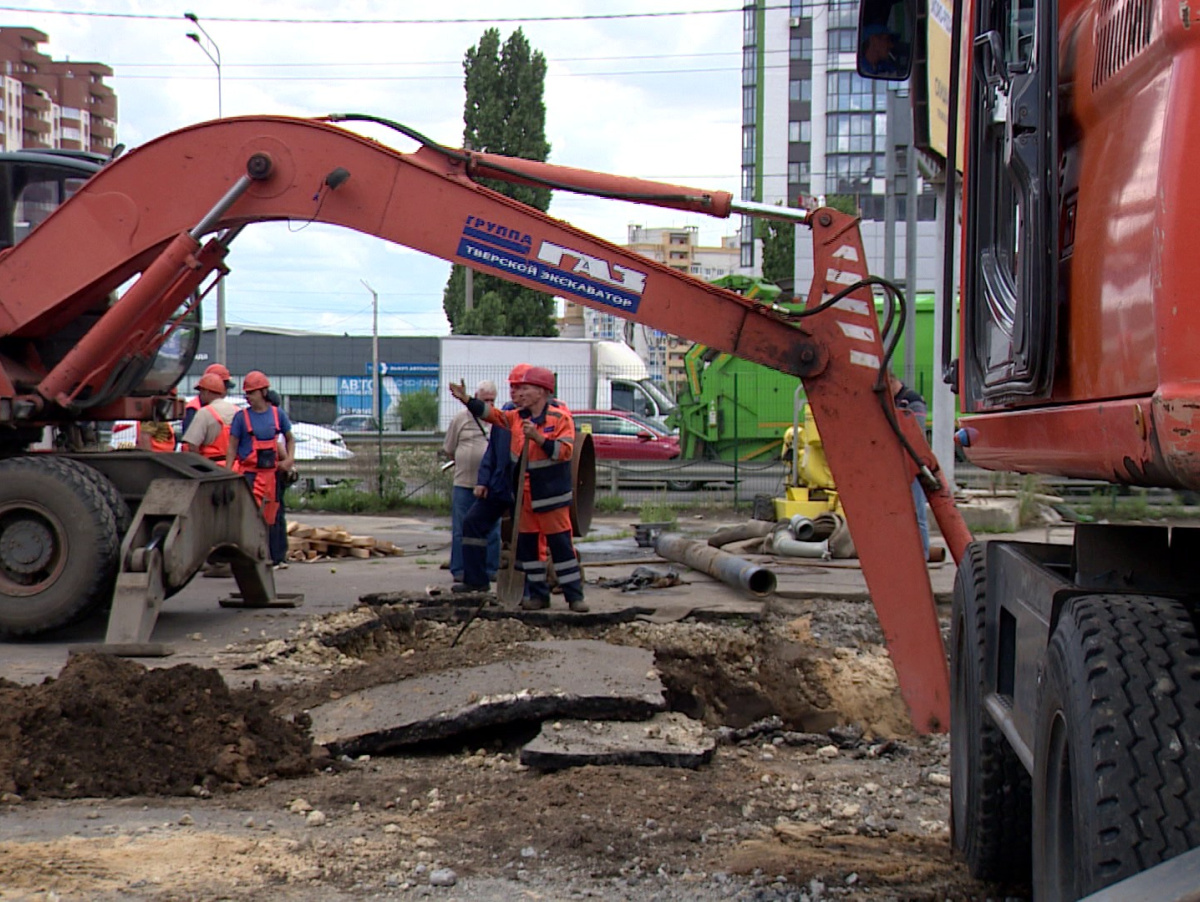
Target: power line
{"x": 472, "y": 20}
{"x": 454, "y": 62}
{"x": 455, "y": 77}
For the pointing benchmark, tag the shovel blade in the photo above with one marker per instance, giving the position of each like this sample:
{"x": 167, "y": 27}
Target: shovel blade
{"x": 510, "y": 588}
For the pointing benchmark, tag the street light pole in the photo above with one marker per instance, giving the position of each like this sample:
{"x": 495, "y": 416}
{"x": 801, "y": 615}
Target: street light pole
{"x": 376, "y": 394}
{"x": 214, "y": 56}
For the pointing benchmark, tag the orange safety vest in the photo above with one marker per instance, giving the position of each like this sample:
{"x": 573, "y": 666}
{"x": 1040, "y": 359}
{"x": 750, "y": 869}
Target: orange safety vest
{"x": 264, "y": 477}
{"x": 216, "y": 451}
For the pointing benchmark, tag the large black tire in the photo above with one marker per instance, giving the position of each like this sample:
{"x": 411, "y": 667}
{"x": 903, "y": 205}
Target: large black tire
{"x": 58, "y": 543}
{"x": 112, "y": 496}
{"x": 1117, "y": 747}
{"x": 102, "y": 600}
{"x": 990, "y": 791}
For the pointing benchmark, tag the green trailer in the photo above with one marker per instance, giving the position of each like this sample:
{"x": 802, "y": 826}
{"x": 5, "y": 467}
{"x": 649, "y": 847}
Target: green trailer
{"x": 731, "y": 409}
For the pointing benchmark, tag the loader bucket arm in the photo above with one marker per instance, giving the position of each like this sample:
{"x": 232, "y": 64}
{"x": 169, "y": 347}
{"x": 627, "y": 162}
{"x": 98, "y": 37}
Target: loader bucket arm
{"x": 151, "y": 207}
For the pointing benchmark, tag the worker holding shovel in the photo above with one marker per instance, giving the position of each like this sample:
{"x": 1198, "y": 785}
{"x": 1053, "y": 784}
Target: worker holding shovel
{"x": 545, "y": 433}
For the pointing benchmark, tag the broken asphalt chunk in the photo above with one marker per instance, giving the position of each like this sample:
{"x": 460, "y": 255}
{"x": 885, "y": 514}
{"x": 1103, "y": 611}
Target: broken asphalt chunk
{"x": 581, "y": 679}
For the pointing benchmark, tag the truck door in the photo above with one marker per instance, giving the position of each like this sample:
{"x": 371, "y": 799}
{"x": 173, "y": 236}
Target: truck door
{"x": 1011, "y": 286}
{"x": 632, "y": 397}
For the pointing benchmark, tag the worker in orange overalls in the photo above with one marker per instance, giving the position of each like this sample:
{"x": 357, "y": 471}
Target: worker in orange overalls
{"x": 549, "y": 432}
{"x": 254, "y": 443}
{"x": 208, "y": 433}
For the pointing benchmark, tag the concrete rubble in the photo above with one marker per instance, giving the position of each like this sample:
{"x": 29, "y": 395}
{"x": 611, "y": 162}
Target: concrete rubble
{"x": 666, "y": 740}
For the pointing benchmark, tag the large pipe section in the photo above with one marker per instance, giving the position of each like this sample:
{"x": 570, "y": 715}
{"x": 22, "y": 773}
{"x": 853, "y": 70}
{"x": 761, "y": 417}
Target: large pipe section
{"x": 754, "y": 529}
{"x": 728, "y": 568}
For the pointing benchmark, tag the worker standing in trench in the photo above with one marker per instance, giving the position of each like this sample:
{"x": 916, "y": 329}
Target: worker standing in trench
{"x": 549, "y": 431}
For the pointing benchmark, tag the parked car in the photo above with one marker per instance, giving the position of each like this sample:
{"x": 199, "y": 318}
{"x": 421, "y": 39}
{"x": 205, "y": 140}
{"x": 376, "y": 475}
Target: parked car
{"x": 318, "y": 443}
{"x": 622, "y": 435}
{"x": 619, "y": 435}
{"x": 356, "y": 423}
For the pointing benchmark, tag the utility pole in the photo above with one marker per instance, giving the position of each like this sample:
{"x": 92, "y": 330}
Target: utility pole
{"x": 910, "y": 260}
{"x": 376, "y": 393}
{"x": 214, "y": 56}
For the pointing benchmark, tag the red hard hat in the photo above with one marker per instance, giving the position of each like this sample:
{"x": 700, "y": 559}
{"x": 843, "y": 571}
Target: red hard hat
{"x": 539, "y": 376}
{"x": 517, "y": 375}
{"x": 219, "y": 369}
{"x": 212, "y": 382}
{"x": 255, "y": 380}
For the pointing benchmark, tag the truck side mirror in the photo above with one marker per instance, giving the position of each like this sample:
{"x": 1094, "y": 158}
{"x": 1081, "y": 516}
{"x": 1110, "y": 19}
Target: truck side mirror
{"x": 886, "y": 31}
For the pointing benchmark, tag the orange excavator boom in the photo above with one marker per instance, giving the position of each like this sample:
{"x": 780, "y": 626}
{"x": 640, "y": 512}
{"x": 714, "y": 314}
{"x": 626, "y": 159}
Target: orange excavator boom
{"x": 147, "y": 214}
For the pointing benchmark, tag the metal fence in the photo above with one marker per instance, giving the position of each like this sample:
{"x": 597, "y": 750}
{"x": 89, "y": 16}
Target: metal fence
{"x": 413, "y": 460}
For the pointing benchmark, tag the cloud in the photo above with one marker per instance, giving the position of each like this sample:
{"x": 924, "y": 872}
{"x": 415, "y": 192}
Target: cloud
{"x": 648, "y": 97}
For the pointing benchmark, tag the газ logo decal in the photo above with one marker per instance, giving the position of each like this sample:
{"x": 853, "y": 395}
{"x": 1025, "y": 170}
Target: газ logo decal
{"x": 562, "y": 270}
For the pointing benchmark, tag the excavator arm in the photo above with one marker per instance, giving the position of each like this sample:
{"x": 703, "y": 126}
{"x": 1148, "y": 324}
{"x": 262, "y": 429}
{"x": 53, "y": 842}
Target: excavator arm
{"x": 147, "y": 214}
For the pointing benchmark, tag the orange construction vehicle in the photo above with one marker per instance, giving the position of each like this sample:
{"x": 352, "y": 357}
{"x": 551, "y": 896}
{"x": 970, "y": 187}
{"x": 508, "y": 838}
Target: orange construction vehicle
{"x": 1074, "y": 665}
{"x": 1075, "y": 720}
{"x": 70, "y": 351}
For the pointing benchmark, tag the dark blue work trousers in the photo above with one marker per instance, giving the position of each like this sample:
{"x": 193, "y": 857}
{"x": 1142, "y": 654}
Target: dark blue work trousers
{"x": 478, "y": 526}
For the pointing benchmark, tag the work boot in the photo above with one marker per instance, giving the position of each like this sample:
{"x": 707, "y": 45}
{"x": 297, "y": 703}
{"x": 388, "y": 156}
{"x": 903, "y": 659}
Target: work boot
{"x": 579, "y": 606}
{"x": 463, "y": 588}
{"x": 534, "y": 604}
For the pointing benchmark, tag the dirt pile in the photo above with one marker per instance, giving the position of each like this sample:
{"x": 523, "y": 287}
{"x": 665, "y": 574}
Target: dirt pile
{"x": 111, "y": 727}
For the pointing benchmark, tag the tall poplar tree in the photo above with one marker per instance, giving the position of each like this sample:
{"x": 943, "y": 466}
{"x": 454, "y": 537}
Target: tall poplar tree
{"x": 504, "y": 113}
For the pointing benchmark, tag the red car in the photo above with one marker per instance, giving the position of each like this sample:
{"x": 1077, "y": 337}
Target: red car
{"x": 617, "y": 435}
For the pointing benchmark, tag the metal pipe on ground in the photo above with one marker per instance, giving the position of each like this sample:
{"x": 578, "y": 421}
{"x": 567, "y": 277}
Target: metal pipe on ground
{"x": 784, "y": 544}
{"x": 728, "y": 568}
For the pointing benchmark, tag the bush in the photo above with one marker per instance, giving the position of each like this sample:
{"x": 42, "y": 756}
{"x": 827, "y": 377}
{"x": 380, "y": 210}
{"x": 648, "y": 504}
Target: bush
{"x": 609, "y": 504}
{"x": 657, "y": 510}
{"x": 418, "y": 411}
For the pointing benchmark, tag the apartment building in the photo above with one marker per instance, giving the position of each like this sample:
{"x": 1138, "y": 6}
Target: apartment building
{"x": 813, "y": 128}
{"x": 53, "y": 103}
{"x": 678, "y": 248}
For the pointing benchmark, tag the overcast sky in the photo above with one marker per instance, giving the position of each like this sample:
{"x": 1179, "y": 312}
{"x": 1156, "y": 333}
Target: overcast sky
{"x": 649, "y": 96}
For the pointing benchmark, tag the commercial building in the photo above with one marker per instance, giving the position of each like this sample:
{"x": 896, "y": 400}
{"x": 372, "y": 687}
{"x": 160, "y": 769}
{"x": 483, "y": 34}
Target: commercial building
{"x": 321, "y": 376}
{"x": 53, "y": 103}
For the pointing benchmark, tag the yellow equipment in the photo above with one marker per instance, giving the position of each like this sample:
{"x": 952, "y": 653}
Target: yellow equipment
{"x": 811, "y": 491}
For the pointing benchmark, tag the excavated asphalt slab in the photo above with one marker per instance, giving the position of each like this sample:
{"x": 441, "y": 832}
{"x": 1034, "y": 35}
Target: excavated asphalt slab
{"x": 556, "y": 679}
{"x": 666, "y": 740}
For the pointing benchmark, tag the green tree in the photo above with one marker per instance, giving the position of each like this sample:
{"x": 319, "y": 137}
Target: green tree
{"x": 418, "y": 411}
{"x": 505, "y": 113}
{"x": 779, "y": 251}
{"x": 845, "y": 203}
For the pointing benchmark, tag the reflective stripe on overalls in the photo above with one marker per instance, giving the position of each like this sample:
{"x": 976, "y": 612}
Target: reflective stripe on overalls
{"x": 264, "y": 477}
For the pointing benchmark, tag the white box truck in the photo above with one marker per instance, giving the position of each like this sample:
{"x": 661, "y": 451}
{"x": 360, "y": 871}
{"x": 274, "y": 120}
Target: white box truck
{"x": 592, "y": 374}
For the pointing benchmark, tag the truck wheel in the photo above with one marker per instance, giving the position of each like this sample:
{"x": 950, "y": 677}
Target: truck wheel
{"x": 989, "y": 788}
{"x": 121, "y": 516}
{"x": 58, "y": 544}
{"x": 1117, "y": 743}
